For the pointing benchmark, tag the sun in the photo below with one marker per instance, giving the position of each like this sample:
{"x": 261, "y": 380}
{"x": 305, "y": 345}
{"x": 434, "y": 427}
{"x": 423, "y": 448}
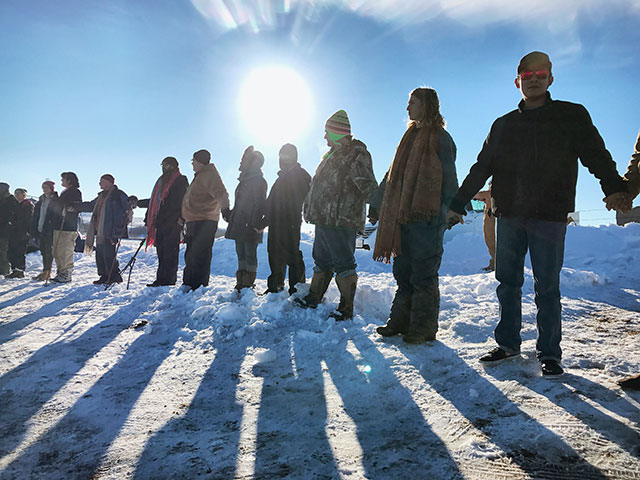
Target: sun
{"x": 275, "y": 105}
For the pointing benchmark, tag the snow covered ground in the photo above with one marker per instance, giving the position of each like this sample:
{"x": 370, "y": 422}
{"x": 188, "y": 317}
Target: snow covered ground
{"x": 158, "y": 384}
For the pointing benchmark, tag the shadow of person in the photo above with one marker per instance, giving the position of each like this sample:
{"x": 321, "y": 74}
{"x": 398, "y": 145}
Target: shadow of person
{"x": 16, "y": 288}
{"x": 375, "y": 401}
{"x": 77, "y": 443}
{"x": 204, "y": 441}
{"x": 534, "y": 448}
{"x": 28, "y": 387}
{"x": 8, "y": 329}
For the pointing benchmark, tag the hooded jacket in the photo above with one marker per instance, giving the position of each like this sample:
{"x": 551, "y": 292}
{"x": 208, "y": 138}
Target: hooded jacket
{"x": 533, "y": 158}
{"x": 284, "y": 204}
{"x": 343, "y": 182}
{"x": 247, "y": 213}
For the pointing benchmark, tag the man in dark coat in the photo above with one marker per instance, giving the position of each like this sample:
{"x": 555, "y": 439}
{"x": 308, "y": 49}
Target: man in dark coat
{"x": 532, "y": 154}
{"x": 65, "y": 230}
{"x": 283, "y": 215}
{"x": 246, "y": 217}
{"x": 164, "y": 222}
{"x": 19, "y": 236}
{"x": 108, "y": 225}
{"x": 8, "y": 206}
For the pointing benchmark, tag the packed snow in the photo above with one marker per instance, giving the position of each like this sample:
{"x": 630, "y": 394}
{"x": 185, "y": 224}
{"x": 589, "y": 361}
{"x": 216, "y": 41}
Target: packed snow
{"x": 155, "y": 383}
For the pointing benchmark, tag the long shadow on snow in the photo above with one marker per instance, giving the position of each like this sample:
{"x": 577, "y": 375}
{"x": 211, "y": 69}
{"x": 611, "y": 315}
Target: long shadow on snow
{"x": 366, "y": 399}
{"x": 15, "y": 288}
{"x": 203, "y": 441}
{"x": 21, "y": 399}
{"x": 8, "y": 330}
{"x": 451, "y": 377}
{"x": 558, "y": 391}
{"x": 96, "y": 418}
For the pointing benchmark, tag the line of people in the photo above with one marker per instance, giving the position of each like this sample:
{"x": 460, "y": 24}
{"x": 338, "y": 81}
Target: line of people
{"x": 530, "y": 155}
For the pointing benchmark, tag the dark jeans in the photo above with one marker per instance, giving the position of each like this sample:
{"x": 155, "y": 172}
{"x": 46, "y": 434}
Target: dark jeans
{"x": 247, "y": 256}
{"x": 333, "y": 251}
{"x": 197, "y": 258}
{"x": 545, "y": 242}
{"x": 46, "y": 249}
{"x": 283, "y": 245}
{"x": 168, "y": 248}
{"x": 107, "y": 261}
{"x": 4, "y": 256}
{"x": 18, "y": 251}
{"x": 417, "y": 301}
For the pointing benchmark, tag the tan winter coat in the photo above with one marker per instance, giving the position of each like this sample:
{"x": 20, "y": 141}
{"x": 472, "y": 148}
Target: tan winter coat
{"x": 205, "y": 197}
{"x": 633, "y": 171}
{"x": 343, "y": 183}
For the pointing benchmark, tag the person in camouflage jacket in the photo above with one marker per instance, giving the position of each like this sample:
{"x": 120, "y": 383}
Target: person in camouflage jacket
{"x": 343, "y": 182}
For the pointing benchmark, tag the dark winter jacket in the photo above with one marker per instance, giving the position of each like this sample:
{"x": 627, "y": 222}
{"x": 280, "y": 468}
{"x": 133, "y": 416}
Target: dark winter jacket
{"x": 68, "y": 197}
{"x": 111, "y": 223}
{"x": 170, "y": 209}
{"x": 22, "y": 220}
{"x": 8, "y": 207}
{"x": 340, "y": 188}
{"x": 248, "y": 210}
{"x": 284, "y": 204}
{"x": 533, "y": 158}
{"x": 49, "y": 216}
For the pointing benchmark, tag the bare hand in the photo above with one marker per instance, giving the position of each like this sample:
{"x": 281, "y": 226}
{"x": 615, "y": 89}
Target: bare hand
{"x": 619, "y": 201}
{"x": 453, "y": 218}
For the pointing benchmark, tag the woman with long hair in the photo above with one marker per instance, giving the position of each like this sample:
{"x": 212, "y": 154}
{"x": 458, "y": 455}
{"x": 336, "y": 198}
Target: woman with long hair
{"x": 412, "y": 201}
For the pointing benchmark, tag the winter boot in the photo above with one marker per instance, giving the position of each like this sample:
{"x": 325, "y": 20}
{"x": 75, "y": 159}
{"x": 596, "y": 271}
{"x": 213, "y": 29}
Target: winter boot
{"x": 16, "y": 273}
{"x": 423, "y": 320}
{"x": 239, "y": 280}
{"x": 398, "y": 322}
{"x": 630, "y": 383}
{"x": 248, "y": 279}
{"x": 62, "y": 277}
{"x": 319, "y": 284}
{"x": 347, "y": 287}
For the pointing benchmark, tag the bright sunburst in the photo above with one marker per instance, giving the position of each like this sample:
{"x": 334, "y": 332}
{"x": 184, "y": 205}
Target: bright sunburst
{"x": 275, "y": 104}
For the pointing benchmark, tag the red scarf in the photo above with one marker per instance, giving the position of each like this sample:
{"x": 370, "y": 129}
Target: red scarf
{"x": 160, "y": 192}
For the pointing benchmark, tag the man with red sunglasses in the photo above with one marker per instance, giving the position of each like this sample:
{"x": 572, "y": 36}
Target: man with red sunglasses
{"x": 532, "y": 154}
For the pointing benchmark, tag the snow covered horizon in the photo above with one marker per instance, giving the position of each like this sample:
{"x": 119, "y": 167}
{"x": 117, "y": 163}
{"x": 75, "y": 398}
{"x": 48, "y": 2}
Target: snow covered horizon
{"x": 159, "y": 384}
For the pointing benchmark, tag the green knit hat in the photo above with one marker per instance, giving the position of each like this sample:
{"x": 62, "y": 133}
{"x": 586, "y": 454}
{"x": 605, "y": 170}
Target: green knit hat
{"x": 338, "y": 123}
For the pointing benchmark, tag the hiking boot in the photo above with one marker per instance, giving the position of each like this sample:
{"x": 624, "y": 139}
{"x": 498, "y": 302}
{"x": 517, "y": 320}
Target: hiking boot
{"x": 388, "y": 331}
{"x": 319, "y": 285}
{"x": 551, "y": 368}
{"x": 99, "y": 281}
{"x": 347, "y": 287}
{"x": 62, "y": 277}
{"x": 416, "y": 338}
{"x": 496, "y": 356}
{"x": 17, "y": 273}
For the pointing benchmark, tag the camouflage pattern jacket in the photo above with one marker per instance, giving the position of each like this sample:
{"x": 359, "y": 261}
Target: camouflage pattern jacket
{"x": 343, "y": 182}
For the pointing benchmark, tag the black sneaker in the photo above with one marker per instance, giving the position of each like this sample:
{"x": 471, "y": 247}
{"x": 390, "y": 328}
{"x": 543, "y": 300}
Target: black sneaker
{"x": 99, "y": 281}
{"x": 551, "y": 368}
{"x": 387, "y": 331}
{"x": 496, "y": 356}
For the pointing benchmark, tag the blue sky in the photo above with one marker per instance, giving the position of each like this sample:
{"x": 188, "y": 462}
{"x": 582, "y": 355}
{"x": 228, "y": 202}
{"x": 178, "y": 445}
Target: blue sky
{"x": 114, "y": 86}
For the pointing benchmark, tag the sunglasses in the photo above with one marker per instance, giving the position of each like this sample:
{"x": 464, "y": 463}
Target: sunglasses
{"x": 540, "y": 74}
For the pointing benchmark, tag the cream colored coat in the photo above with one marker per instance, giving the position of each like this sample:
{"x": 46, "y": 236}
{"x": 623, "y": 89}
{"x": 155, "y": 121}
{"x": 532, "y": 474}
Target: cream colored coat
{"x": 205, "y": 197}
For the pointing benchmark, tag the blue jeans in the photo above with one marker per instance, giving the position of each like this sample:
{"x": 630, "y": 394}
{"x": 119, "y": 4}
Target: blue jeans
{"x": 333, "y": 251}
{"x": 545, "y": 242}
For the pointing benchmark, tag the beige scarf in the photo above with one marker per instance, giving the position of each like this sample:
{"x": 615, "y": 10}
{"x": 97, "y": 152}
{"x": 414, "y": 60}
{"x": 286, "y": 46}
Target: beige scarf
{"x": 413, "y": 189}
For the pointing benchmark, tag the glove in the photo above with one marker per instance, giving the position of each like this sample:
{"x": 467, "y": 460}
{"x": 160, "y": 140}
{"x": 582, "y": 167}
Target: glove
{"x": 374, "y": 215}
{"x": 226, "y": 213}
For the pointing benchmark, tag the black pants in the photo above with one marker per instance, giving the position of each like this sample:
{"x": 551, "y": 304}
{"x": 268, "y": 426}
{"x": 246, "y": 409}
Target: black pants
{"x": 197, "y": 258}
{"x": 46, "y": 249}
{"x": 168, "y": 247}
{"x": 283, "y": 245}
{"x": 18, "y": 250}
{"x": 107, "y": 262}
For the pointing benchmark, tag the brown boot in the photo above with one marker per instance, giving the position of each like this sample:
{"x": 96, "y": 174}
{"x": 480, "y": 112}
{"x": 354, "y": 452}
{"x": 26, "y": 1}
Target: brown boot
{"x": 347, "y": 287}
{"x": 319, "y": 284}
{"x": 239, "y": 280}
{"x": 248, "y": 279}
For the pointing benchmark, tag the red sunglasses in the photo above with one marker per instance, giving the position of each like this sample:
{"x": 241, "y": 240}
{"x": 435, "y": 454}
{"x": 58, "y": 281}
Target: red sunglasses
{"x": 540, "y": 74}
